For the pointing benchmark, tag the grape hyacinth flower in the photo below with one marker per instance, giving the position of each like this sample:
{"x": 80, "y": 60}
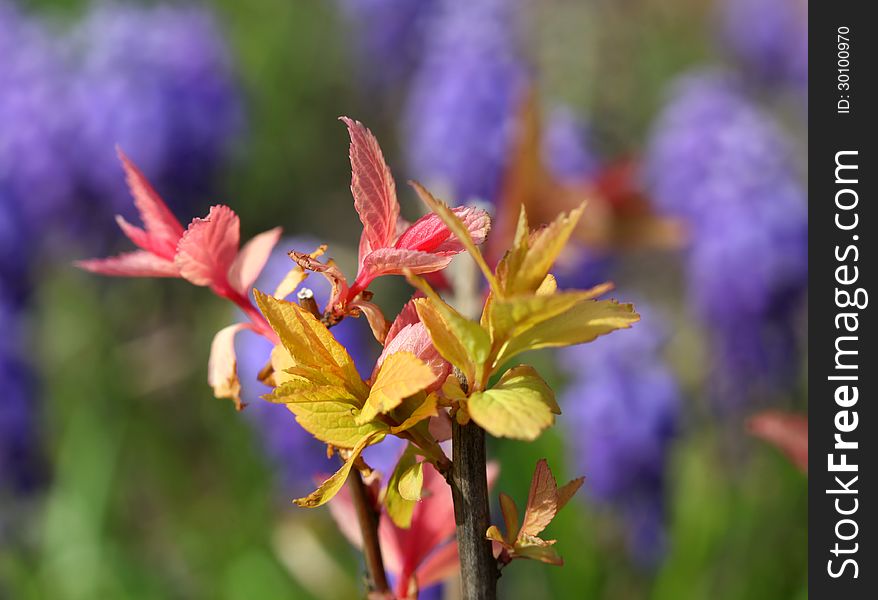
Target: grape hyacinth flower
{"x": 465, "y": 97}
{"x": 297, "y": 455}
{"x": 157, "y": 81}
{"x": 567, "y": 147}
{"x": 768, "y": 39}
{"x": 718, "y": 161}
{"x": 36, "y": 131}
{"x": 622, "y": 408}
{"x": 388, "y": 36}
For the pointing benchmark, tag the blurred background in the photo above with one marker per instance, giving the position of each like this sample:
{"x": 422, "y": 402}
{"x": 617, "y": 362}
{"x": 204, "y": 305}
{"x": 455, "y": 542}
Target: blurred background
{"x": 682, "y": 121}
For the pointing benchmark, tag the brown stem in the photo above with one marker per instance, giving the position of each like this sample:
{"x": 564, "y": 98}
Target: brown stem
{"x": 368, "y": 520}
{"x": 472, "y": 515}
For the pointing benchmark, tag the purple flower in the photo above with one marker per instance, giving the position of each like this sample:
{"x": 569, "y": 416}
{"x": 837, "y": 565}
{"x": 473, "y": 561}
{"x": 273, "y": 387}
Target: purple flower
{"x": 158, "y": 82}
{"x": 566, "y": 147}
{"x": 35, "y": 139}
{"x": 622, "y": 410}
{"x": 20, "y": 458}
{"x": 388, "y": 36}
{"x": 297, "y": 456}
{"x": 462, "y": 107}
{"x": 769, "y": 39}
{"x": 718, "y": 161}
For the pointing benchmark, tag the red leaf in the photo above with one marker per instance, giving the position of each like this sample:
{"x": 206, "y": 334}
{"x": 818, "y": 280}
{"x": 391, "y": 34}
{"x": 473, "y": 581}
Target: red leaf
{"x": 208, "y": 248}
{"x": 430, "y": 234}
{"x": 251, "y": 260}
{"x": 139, "y": 263}
{"x": 373, "y": 189}
{"x": 163, "y": 230}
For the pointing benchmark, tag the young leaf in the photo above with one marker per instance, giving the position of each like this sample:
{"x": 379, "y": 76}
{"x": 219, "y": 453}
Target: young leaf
{"x": 411, "y": 482}
{"x": 520, "y": 406}
{"x": 461, "y": 342}
{"x": 457, "y": 227}
{"x": 373, "y": 189}
{"x": 331, "y": 486}
{"x": 543, "y": 503}
{"x": 309, "y": 342}
{"x": 209, "y": 247}
{"x": 401, "y": 375}
{"x": 250, "y": 261}
{"x": 400, "y": 509}
{"x": 582, "y": 323}
{"x": 426, "y": 409}
{"x": 330, "y": 419}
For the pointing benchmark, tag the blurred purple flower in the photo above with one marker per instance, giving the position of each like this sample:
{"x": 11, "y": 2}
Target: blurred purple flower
{"x": 465, "y": 97}
{"x": 20, "y": 458}
{"x": 622, "y": 410}
{"x": 295, "y": 453}
{"x": 567, "y": 147}
{"x": 388, "y": 36}
{"x": 769, "y": 39}
{"x": 36, "y": 130}
{"x": 718, "y": 161}
{"x": 158, "y": 82}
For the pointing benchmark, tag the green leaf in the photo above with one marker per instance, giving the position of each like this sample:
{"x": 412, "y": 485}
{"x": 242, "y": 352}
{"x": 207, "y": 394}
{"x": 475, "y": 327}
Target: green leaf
{"x": 520, "y": 406}
{"x": 460, "y": 341}
{"x": 510, "y": 516}
{"x": 581, "y": 323}
{"x": 329, "y": 488}
{"x": 411, "y": 482}
{"x": 400, "y": 509}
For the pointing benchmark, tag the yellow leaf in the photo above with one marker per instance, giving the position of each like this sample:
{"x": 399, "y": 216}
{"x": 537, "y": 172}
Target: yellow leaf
{"x": 537, "y": 549}
{"x": 411, "y": 482}
{"x": 326, "y": 412}
{"x": 582, "y": 323}
{"x": 520, "y": 406}
{"x": 308, "y": 341}
{"x": 457, "y": 228}
{"x": 401, "y": 375}
{"x": 512, "y": 316}
{"x": 447, "y": 343}
{"x": 329, "y": 488}
{"x": 494, "y": 535}
{"x": 423, "y": 411}
{"x": 548, "y": 287}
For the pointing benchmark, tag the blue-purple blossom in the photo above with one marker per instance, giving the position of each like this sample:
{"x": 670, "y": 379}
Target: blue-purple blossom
{"x": 461, "y": 111}
{"x": 297, "y": 456}
{"x": 622, "y": 409}
{"x": 768, "y": 39}
{"x": 722, "y": 164}
{"x": 388, "y": 36}
{"x": 36, "y": 130}
{"x": 157, "y": 81}
{"x": 567, "y": 147}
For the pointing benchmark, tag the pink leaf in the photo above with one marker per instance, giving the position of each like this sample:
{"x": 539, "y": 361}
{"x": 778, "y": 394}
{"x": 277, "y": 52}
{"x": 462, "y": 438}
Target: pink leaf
{"x": 208, "y": 248}
{"x": 407, "y": 316}
{"x": 393, "y": 261}
{"x": 430, "y": 234}
{"x": 162, "y": 227}
{"x": 251, "y": 260}
{"x": 787, "y": 431}
{"x": 439, "y": 566}
{"x": 373, "y": 189}
{"x": 414, "y": 338}
{"x": 139, "y": 263}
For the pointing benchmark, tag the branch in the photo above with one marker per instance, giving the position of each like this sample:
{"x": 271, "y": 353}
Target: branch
{"x": 368, "y": 520}
{"x": 469, "y": 489}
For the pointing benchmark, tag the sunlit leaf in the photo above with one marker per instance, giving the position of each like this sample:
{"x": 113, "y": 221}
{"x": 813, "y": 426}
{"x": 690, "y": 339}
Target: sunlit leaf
{"x": 411, "y": 482}
{"x": 401, "y": 375}
{"x": 331, "y": 486}
{"x": 520, "y": 406}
